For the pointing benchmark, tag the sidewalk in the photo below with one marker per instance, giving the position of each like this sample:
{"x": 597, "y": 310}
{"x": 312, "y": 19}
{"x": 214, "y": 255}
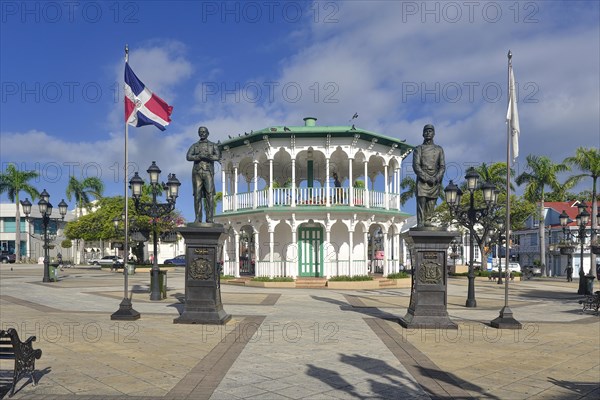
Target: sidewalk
{"x": 297, "y": 343}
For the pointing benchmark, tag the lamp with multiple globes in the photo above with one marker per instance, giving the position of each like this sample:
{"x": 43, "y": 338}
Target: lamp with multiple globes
{"x": 45, "y": 208}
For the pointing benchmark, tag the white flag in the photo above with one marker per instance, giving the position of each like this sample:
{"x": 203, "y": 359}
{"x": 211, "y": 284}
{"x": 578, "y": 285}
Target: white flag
{"x": 512, "y": 115}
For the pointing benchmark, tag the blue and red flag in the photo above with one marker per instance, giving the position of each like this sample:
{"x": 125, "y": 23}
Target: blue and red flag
{"x": 142, "y": 107}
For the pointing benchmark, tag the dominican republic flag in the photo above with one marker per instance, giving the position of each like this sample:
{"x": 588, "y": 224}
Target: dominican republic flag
{"x": 142, "y": 107}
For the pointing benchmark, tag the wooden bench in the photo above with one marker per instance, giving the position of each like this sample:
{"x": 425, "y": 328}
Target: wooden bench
{"x": 591, "y": 302}
{"x": 11, "y": 348}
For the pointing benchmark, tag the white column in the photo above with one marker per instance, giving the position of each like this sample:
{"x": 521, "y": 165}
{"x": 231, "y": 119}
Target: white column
{"x": 398, "y": 189}
{"x": 366, "y": 251}
{"x": 351, "y": 257}
{"x": 271, "y": 251}
{"x": 327, "y": 199}
{"x": 386, "y": 249}
{"x": 350, "y": 183}
{"x": 396, "y": 251}
{"x": 293, "y": 182}
{"x": 225, "y": 257}
{"x": 224, "y": 190}
{"x": 366, "y": 186}
{"x": 256, "y": 251}
{"x": 255, "y": 192}
{"x": 271, "y": 183}
{"x": 386, "y": 184}
{"x": 235, "y": 188}
{"x": 236, "y": 263}
{"x": 327, "y": 266}
{"x": 294, "y": 271}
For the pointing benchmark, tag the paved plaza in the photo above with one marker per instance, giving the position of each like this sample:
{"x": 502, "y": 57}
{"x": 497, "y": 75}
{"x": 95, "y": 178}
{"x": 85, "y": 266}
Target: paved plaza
{"x": 296, "y": 343}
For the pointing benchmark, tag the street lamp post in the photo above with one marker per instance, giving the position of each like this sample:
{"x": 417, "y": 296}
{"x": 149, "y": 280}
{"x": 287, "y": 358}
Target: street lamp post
{"x": 154, "y": 210}
{"x": 454, "y": 255}
{"x": 470, "y": 217}
{"x": 46, "y": 210}
{"x": 581, "y": 220}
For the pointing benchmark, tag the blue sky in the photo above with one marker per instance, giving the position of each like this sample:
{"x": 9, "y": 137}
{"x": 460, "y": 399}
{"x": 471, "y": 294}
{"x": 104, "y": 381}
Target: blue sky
{"x": 237, "y": 66}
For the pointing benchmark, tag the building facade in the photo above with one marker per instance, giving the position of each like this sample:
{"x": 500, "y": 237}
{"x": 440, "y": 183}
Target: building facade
{"x": 32, "y": 233}
{"x": 286, "y": 214}
{"x": 527, "y": 241}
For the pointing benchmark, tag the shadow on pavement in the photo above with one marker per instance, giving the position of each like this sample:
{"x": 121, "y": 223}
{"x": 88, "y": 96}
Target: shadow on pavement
{"x": 6, "y": 379}
{"x": 591, "y": 389}
{"x": 371, "y": 311}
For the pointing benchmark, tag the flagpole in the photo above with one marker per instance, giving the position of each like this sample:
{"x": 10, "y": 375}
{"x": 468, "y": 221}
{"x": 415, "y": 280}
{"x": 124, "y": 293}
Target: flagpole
{"x": 508, "y": 164}
{"x": 126, "y": 311}
{"x": 506, "y": 319}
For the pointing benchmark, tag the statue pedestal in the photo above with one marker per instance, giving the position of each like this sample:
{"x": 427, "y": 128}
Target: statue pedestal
{"x": 428, "y": 298}
{"x": 202, "y": 276}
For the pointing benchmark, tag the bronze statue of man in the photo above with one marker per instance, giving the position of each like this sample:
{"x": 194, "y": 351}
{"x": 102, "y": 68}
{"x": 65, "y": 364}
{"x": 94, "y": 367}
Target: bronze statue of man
{"x": 204, "y": 153}
{"x": 429, "y": 164}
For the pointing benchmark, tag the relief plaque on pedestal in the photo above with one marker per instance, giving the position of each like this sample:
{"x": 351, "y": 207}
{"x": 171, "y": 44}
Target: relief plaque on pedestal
{"x": 202, "y": 303}
{"x": 428, "y": 299}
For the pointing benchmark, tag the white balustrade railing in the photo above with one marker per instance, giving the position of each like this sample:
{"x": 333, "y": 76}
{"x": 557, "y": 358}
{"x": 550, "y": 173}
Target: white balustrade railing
{"x": 359, "y": 197}
{"x": 245, "y": 200}
{"x": 309, "y": 197}
{"x": 282, "y": 196}
{"x": 376, "y": 199}
{"x": 339, "y": 196}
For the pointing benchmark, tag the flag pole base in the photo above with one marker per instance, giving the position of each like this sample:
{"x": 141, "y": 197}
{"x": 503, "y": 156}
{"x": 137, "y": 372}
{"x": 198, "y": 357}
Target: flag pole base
{"x": 506, "y": 320}
{"x": 125, "y": 312}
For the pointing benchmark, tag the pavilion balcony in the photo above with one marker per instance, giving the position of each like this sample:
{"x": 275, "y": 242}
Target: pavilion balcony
{"x": 313, "y": 197}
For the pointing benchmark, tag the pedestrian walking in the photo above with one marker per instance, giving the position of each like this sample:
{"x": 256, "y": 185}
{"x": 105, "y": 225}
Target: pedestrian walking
{"x": 569, "y": 272}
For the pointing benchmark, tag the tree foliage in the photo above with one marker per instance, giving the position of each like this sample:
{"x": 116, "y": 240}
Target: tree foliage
{"x": 12, "y": 182}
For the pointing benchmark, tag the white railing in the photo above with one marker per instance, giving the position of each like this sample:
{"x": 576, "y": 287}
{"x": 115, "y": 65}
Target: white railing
{"x": 276, "y": 268}
{"x": 229, "y": 268}
{"x": 262, "y": 198}
{"x": 310, "y": 196}
{"x": 359, "y": 197}
{"x": 282, "y": 197}
{"x": 339, "y": 196}
{"x": 376, "y": 199}
{"x": 245, "y": 201}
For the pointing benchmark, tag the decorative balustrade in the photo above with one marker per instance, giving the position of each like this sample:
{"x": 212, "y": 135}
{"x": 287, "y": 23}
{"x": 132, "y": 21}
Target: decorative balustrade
{"x": 283, "y": 197}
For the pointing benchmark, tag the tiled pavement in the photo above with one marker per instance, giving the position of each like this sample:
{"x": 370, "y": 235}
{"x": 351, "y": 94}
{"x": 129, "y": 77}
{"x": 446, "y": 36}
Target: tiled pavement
{"x": 297, "y": 343}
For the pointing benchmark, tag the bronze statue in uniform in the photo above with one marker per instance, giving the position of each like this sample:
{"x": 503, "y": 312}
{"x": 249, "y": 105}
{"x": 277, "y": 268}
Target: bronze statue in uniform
{"x": 429, "y": 164}
{"x": 204, "y": 153}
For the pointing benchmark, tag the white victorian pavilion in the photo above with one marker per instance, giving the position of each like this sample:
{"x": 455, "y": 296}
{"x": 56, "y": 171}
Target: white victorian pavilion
{"x": 284, "y": 215}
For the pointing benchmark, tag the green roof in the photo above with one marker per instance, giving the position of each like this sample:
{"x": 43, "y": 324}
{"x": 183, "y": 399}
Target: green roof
{"x": 276, "y": 132}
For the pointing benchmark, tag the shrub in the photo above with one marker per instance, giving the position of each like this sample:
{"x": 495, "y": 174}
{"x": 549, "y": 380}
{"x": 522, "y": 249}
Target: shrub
{"x": 275, "y": 279}
{"x": 355, "y": 278}
{"x": 399, "y": 275}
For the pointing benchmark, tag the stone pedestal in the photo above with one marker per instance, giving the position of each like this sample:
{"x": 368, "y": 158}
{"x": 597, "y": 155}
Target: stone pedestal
{"x": 202, "y": 276}
{"x": 428, "y": 298}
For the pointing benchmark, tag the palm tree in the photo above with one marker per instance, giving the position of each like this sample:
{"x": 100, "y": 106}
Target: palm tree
{"x": 12, "y": 182}
{"x": 542, "y": 173}
{"x": 81, "y": 191}
{"x": 588, "y": 161}
{"x": 410, "y": 184}
{"x": 495, "y": 174}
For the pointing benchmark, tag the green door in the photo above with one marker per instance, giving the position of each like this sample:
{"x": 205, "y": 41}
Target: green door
{"x": 310, "y": 244}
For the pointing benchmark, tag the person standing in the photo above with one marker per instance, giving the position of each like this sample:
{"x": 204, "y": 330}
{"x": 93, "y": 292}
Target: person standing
{"x": 429, "y": 164}
{"x": 337, "y": 188}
